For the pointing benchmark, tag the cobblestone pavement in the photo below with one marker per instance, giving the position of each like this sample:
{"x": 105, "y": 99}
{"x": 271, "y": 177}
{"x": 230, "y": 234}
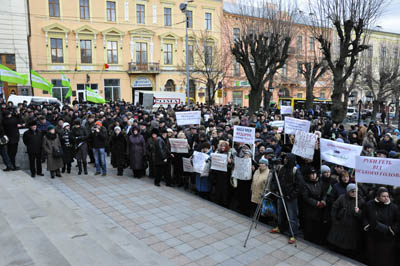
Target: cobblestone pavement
{"x": 183, "y": 227}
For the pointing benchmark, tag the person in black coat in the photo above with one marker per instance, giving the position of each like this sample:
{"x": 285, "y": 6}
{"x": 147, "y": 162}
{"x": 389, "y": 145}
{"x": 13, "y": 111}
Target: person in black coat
{"x": 32, "y": 138}
{"x": 345, "y": 233}
{"x": 162, "y": 154}
{"x": 290, "y": 185}
{"x": 68, "y": 146}
{"x": 314, "y": 202}
{"x": 12, "y": 123}
{"x": 382, "y": 224}
{"x": 387, "y": 143}
{"x": 3, "y": 149}
{"x": 118, "y": 148}
{"x": 98, "y": 137}
{"x": 81, "y": 148}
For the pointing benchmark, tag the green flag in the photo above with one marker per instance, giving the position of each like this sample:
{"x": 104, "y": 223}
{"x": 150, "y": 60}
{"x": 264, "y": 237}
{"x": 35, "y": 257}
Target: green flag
{"x": 40, "y": 82}
{"x": 92, "y": 96}
{"x": 65, "y": 83}
{"x": 8, "y": 75}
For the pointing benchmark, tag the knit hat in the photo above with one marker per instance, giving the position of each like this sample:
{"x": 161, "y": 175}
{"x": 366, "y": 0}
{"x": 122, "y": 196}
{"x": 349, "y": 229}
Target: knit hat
{"x": 98, "y": 123}
{"x": 389, "y": 135}
{"x": 263, "y": 161}
{"x": 350, "y": 187}
{"x": 324, "y": 169}
{"x": 50, "y": 127}
{"x": 65, "y": 124}
{"x": 117, "y": 128}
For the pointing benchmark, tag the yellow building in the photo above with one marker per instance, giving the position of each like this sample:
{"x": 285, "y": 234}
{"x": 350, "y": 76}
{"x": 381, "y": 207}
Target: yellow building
{"x": 118, "y": 46}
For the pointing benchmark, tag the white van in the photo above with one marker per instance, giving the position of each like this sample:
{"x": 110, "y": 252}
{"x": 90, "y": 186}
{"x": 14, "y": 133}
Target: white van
{"x": 35, "y": 100}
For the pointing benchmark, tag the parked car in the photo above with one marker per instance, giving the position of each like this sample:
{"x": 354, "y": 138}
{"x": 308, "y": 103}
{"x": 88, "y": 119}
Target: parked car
{"x": 35, "y": 100}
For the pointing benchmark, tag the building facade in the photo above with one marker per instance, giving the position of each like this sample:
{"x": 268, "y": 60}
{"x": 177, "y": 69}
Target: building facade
{"x": 14, "y": 29}
{"x": 288, "y": 82}
{"x": 117, "y": 47}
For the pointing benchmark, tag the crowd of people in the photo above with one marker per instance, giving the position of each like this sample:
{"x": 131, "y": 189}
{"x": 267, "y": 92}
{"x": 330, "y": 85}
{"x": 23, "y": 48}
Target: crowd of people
{"x": 320, "y": 197}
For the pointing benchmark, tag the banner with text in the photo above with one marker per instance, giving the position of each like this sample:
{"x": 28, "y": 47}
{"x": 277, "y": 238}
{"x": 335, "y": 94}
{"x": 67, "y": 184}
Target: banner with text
{"x": 378, "y": 170}
{"x": 244, "y": 134}
{"x": 339, "y": 153}
{"x": 188, "y": 118}
{"x": 179, "y": 145}
{"x": 199, "y": 161}
{"x": 304, "y": 144}
{"x": 187, "y": 165}
{"x": 219, "y": 162}
{"x": 294, "y": 124}
{"x": 242, "y": 169}
{"x": 286, "y": 110}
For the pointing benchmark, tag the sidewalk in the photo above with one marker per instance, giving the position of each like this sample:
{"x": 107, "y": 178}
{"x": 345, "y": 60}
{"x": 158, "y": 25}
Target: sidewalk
{"x": 124, "y": 221}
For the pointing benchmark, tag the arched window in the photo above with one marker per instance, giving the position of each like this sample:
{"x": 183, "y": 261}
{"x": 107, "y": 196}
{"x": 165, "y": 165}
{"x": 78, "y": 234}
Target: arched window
{"x": 170, "y": 85}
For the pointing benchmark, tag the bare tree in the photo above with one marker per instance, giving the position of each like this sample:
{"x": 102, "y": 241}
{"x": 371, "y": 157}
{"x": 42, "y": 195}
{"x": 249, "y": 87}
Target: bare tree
{"x": 209, "y": 63}
{"x": 381, "y": 75}
{"x": 261, "y": 44}
{"x": 350, "y": 20}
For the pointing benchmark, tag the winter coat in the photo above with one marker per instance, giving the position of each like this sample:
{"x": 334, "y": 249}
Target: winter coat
{"x": 118, "y": 147}
{"x": 50, "y": 144}
{"x": 386, "y": 145}
{"x": 33, "y": 141}
{"x": 345, "y": 232}
{"x": 68, "y": 145}
{"x": 137, "y": 151}
{"x": 311, "y": 193}
{"x": 258, "y": 184}
{"x": 338, "y": 189}
{"x": 80, "y": 139}
{"x": 11, "y": 129}
{"x": 98, "y": 139}
{"x": 288, "y": 178}
{"x": 161, "y": 151}
{"x": 43, "y": 127}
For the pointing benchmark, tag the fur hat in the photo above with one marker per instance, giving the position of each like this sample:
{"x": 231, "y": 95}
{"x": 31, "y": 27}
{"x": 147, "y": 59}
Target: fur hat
{"x": 325, "y": 168}
{"x": 31, "y": 123}
{"x": 350, "y": 187}
{"x": 66, "y": 124}
{"x": 155, "y": 131}
{"x": 263, "y": 161}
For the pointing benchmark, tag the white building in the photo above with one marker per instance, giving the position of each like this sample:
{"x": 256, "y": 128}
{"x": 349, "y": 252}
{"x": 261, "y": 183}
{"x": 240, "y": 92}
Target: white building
{"x": 14, "y": 31}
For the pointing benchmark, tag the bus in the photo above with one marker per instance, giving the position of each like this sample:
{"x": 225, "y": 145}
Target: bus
{"x": 300, "y": 103}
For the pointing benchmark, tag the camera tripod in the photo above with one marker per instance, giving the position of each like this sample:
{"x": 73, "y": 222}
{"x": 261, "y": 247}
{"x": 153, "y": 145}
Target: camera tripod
{"x": 266, "y": 194}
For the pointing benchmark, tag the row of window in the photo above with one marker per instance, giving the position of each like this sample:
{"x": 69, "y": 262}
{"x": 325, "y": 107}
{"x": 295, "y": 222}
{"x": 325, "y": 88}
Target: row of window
{"x": 112, "y": 90}
{"x": 57, "y": 52}
{"x": 111, "y": 12}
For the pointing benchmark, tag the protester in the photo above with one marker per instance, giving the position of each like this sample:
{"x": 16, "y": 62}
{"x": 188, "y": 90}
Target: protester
{"x": 68, "y": 147}
{"x": 81, "y": 148}
{"x": 98, "y": 136}
{"x": 53, "y": 152}
{"x": 32, "y": 138}
{"x": 118, "y": 148}
{"x": 381, "y": 221}
{"x": 137, "y": 152}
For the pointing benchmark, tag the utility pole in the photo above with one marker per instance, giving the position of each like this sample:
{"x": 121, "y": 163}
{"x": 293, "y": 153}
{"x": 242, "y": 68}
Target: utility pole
{"x": 183, "y": 8}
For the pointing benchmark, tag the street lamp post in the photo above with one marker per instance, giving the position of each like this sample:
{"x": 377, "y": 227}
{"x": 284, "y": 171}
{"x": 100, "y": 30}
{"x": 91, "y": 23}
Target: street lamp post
{"x": 359, "y": 112}
{"x": 183, "y": 7}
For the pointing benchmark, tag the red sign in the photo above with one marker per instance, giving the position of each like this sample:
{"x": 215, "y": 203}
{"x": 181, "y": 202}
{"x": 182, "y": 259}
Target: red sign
{"x": 166, "y": 100}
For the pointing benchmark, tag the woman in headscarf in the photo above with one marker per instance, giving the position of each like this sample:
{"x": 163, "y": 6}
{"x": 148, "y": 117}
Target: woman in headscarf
{"x": 314, "y": 202}
{"x": 382, "y": 224}
{"x": 118, "y": 147}
{"x": 68, "y": 146}
{"x": 137, "y": 151}
{"x": 345, "y": 233}
{"x": 53, "y": 150}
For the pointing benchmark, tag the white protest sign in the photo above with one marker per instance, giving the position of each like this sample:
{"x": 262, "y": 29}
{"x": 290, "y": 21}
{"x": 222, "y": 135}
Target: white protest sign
{"x": 219, "y": 162}
{"x": 187, "y": 165}
{"x": 279, "y": 124}
{"x": 378, "y": 170}
{"x": 293, "y": 124}
{"x": 304, "y": 144}
{"x": 244, "y": 134}
{"x": 188, "y": 118}
{"x": 339, "y": 153}
{"x": 199, "y": 161}
{"x": 286, "y": 110}
{"x": 242, "y": 168}
{"x": 179, "y": 145}
{"x": 206, "y": 117}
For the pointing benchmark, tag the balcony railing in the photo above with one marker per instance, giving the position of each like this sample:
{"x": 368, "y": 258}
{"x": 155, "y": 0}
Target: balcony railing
{"x": 140, "y": 67}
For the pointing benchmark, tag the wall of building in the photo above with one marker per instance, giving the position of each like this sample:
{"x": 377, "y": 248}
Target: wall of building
{"x": 13, "y": 38}
{"x": 127, "y": 32}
